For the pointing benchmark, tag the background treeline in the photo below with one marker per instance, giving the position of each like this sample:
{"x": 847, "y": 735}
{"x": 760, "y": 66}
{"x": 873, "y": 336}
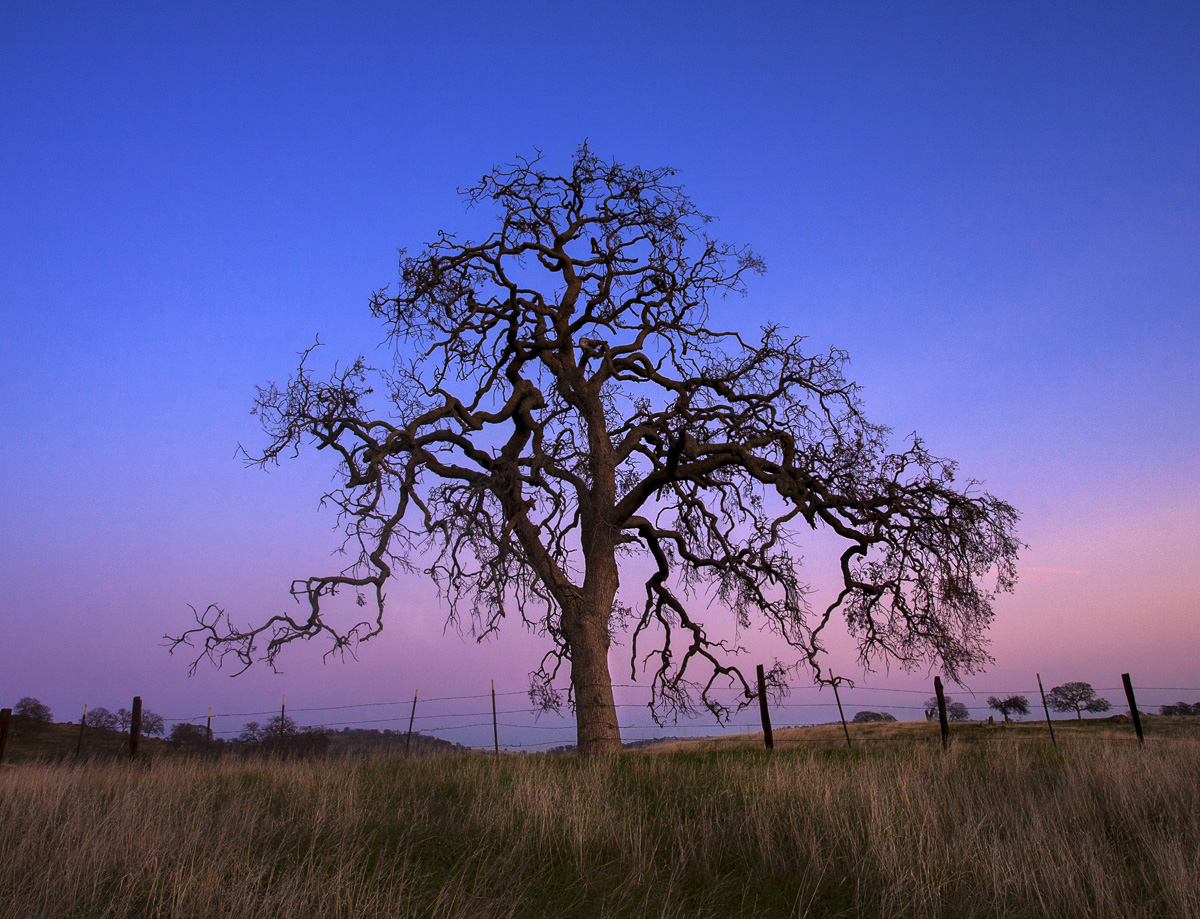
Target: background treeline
{"x": 102, "y": 732}
{"x": 282, "y": 736}
{"x": 33, "y": 732}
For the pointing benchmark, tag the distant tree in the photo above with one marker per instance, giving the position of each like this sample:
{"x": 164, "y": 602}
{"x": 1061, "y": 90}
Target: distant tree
{"x": 188, "y": 735}
{"x": 955, "y": 711}
{"x": 281, "y": 736}
{"x": 31, "y": 713}
{"x": 1010, "y": 705}
{"x": 152, "y": 724}
{"x": 101, "y": 718}
{"x": 870, "y": 717}
{"x": 1076, "y": 697}
{"x": 278, "y": 730}
{"x": 308, "y": 741}
{"x": 1181, "y": 708}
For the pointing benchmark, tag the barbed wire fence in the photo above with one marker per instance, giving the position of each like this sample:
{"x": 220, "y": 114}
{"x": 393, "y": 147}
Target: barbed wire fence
{"x": 495, "y": 721}
{"x": 523, "y": 727}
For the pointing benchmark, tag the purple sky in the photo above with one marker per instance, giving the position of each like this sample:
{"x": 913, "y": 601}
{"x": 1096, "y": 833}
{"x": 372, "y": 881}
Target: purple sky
{"x": 995, "y": 208}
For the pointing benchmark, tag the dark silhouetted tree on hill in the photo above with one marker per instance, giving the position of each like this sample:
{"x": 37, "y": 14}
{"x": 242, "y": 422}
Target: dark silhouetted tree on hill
{"x": 955, "y": 711}
{"x": 1180, "y": 708}
{"x": 871, "y": 717}
{"x": 152, "y": 724}
{"x": 562, "y": 398}
{"x": 31, "y": 713}
{"x": 1077, "y": 698}
{"x": 281, "y": 735}
{"x": 188, "y": 735}
{"x": 1009, "y": 705}
{"x": 102, "y": 719}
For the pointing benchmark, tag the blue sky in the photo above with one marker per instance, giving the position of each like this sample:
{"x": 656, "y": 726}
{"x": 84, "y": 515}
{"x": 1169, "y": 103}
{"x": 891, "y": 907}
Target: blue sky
{"x": 995, "y": 208}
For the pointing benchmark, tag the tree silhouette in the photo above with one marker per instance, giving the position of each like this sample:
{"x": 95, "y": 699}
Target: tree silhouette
{"x": 1179, "y": 708}
{"x": 190, "y": 735}
{"x": 1009, "y": 705}
{"x": 561, "y": 400}
{"x": 31, "y": 713}
{"x": 955, "y": 711}
{"x": 871, "y": 717}
{"x": 102, "y": 719}
{"x": 153, "y": 724}
{"x": 1077, "y": 698}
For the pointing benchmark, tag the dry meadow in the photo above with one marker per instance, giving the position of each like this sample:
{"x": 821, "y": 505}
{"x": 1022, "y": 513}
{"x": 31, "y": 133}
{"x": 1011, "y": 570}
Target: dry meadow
{"x": 1004, "y": 826}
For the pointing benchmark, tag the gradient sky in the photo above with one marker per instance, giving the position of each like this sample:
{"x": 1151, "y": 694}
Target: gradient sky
{"x": 994, "y": 207}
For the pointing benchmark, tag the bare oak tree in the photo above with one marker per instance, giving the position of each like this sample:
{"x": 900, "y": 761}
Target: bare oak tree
{"x": 955, "y": 711}
{"x": 560, "y": 401}
{"x": 1009, "y": 706}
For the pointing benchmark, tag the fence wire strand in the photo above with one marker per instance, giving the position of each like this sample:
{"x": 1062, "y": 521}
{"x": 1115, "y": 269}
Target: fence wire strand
{"x": 432, "y": 724}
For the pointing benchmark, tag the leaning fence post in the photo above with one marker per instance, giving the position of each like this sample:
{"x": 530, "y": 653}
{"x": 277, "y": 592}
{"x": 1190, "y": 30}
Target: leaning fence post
{"x": 841, "y": 714}
{"x": 1046, "y": 709}
{"x": 408, "y": 737}
{"x": 495, "y": 727}
{"x": 82, "y": 722}
{"x": 5, "y": 718}
{"x": 941, "y": 699}
{"x": 768, "y": 738}
{"x": 135, "y": 726}
{"x": 1133, "y": 709}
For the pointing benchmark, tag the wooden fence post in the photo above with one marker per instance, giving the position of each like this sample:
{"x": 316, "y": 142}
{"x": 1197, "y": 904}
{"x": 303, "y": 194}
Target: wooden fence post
{"x": 208, "y": 733}
{"x": 408, "y": 737}
{"x": 1133, "y": 709}
{"x": 941, "y": 699}
{"x": 495, "y": 727}
{"x": 1046, "y": 709}
{"x": 135, "y": 726}
{"x": 82, "y": 722}
{"x": 768, "y": 737}
{"x": 282, "y": 721}
{"x": 5, "y": 718}
{"x": 841, "y": 714}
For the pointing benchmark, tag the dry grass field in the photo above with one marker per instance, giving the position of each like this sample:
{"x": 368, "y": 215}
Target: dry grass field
{"x": 1001, "y": 826}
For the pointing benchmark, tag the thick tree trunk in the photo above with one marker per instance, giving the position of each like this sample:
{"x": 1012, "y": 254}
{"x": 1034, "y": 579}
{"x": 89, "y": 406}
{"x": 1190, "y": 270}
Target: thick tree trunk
{"x": 598, "y": 731}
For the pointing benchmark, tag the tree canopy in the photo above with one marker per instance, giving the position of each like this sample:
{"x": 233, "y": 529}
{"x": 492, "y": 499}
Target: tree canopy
{"x": 955, "y": 711}
{"x": 1009, "y": 705}
{"x": 566, "y": 394}
{"x": 186, "y": 734}
{"x": 872, "y": 717}
{"x": 1180, "y": 708}
{"x": 1077, "y": 698}
{"x": 102, "y": 719}
{"x": 31, "y": 712}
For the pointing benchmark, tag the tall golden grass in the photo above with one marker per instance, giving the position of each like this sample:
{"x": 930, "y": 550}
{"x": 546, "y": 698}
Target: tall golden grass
{"x": 1008, "y": 828}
